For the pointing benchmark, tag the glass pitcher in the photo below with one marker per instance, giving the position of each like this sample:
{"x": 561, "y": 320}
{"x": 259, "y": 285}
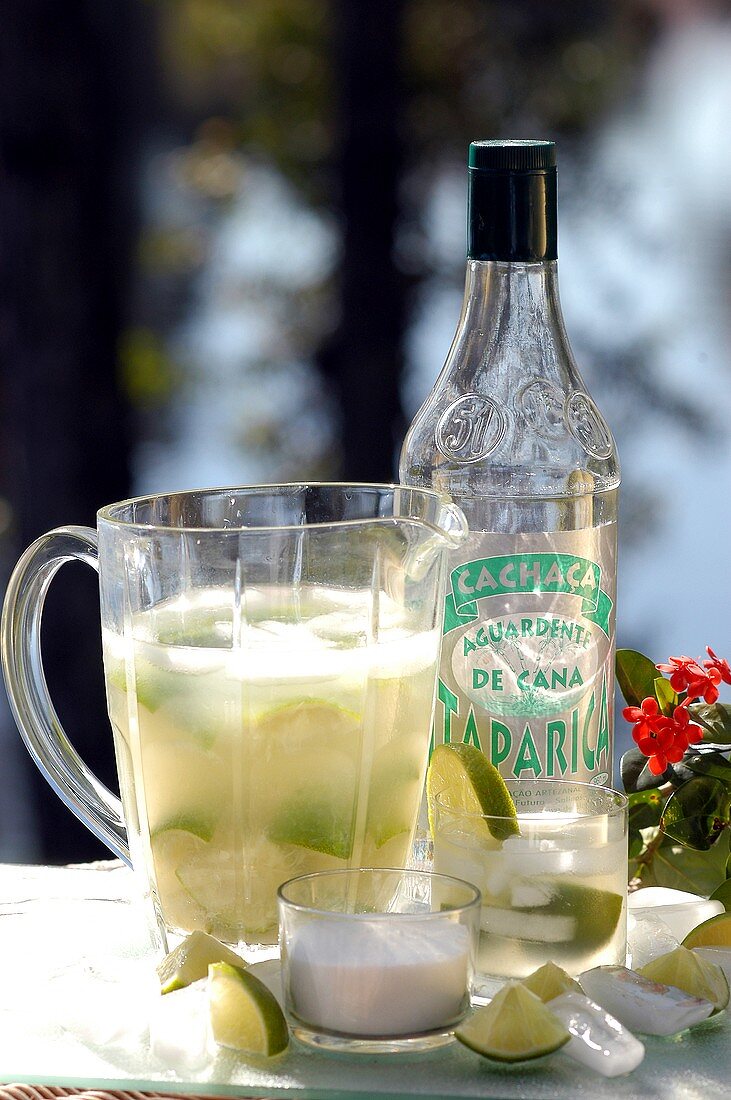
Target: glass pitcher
{"x": 270, "y": 659}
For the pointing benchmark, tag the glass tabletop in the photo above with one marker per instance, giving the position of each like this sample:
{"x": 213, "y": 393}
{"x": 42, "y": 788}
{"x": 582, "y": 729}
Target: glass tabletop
{"x": 77, "y": 978}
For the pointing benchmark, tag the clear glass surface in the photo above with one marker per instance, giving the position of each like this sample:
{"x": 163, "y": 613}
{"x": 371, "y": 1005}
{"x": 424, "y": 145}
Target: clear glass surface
{"x": 56, "y": 1040}
{"x": 553, "y": 879}
{"x": 270, "y": 656}
{"x": 377, "y": 961}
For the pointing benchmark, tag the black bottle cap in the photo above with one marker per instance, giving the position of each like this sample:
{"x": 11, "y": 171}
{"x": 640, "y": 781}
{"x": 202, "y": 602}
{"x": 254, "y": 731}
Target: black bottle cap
{"x": 512, "y": 212}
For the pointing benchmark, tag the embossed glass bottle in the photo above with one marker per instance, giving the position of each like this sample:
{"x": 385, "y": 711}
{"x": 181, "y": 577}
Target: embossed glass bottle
{"x": 511, "y": 434}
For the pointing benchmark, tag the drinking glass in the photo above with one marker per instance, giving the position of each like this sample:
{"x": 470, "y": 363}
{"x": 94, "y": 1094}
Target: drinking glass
{"x": 377, "y": 960}
{"x": 553, "y": 879}
{"x": 270, "y": 656}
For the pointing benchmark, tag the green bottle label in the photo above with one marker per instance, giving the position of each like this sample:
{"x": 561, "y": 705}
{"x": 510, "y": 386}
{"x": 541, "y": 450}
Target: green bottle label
{"x": 527, "y": 666}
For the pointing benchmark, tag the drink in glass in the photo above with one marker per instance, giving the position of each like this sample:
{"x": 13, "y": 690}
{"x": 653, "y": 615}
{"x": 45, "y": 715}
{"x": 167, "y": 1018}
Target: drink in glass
{"x": 556, "y": 888}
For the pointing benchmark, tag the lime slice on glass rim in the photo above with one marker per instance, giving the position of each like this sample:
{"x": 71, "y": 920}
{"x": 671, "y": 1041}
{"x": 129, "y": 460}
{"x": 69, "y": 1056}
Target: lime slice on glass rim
{"x": 190, "y": 960}
{"x": 696, "y": 976}
{"x": 244, "y": 1014}
{"x": 514, "y": 1027}
{"x": 467, "y": 782}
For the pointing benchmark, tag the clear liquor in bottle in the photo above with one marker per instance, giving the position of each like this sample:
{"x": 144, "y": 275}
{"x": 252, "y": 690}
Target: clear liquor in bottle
{"x": 511, "y": 434}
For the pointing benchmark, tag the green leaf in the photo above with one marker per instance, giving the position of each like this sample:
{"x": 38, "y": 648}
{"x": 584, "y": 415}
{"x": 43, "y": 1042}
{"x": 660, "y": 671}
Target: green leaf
{"x": 686, "y": 768}
{"x": 665, "y": 695}
{"x": 636, "y": 775}
{"x": 636, "y": 675}
{"x": 645, "y": 809}
{"x": 722, "y": 893}
{"x": 716, "y": 720}
{"x": 681, "y": 868}
{"x": 710, "y": 763}
{"x": 697, "y": 813}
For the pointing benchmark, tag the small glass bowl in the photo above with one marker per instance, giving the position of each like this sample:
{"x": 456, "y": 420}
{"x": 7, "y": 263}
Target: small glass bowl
{"x": 377, "y": 960}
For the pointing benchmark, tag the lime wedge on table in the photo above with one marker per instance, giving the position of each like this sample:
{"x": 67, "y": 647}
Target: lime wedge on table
{"x": 516, "y": 1026}
{"x": 244, "y": 1014}
{"x": 685, "y": 970}
{"x": 190, "y": 960}
{"x": 550, "y": 981}
{"x": 467, "y": 781}
{"x": 714, "y": 932}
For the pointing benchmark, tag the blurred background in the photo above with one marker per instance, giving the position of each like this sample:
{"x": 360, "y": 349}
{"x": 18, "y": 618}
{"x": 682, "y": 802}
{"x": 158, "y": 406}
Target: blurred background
{"x": 233, "y": 237}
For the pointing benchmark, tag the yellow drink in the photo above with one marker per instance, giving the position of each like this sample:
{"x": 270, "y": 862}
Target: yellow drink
{"x": 264, "y": 744}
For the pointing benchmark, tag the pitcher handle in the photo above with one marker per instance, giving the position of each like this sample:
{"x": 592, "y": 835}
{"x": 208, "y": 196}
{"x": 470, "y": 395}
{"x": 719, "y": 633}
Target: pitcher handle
{"x": 93, "y": 803}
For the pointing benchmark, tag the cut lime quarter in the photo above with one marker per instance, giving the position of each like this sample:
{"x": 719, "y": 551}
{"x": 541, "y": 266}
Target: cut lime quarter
{"x": 190, "y": 960}
{"x": 685, "y": 970}
{"x": 550, "y": 981}
{"x": 244, "y": 1014}
{"x": 468, "y": 783}
{"x": 515, "y": 1027}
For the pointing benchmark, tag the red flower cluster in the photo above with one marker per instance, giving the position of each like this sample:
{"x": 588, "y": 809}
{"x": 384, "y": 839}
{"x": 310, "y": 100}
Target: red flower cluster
{"x": 664, "y": 739}
{"x": 661, "y": 738}
{"x": 687, "y": 675}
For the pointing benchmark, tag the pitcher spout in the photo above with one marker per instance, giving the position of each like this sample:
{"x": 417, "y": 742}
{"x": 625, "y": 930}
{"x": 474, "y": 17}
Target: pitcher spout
{"x": 452, "y": 524}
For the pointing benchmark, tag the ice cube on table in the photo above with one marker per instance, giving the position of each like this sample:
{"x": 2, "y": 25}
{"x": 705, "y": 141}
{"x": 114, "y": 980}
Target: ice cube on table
{"x": 680, "y": 910}
{"x": 648, "y": 936}
{"x": 598, "y": 1040}
{"x": 643, "y": 1005}
{"x": 98, "y": 1012}
{"x": 179, "y": 1028}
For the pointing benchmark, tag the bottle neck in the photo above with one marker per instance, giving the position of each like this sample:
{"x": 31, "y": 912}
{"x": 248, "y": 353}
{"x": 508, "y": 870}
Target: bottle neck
{"x": 512, "y": 216}
{"x": 518, "y": 302}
